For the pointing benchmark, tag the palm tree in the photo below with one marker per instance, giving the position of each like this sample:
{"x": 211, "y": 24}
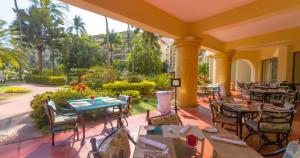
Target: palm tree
{"x": 78, "y": 26}
{"x": 113, "y": 39}
{"x": 37, "y": 22}
{"x": 151, "y": 44}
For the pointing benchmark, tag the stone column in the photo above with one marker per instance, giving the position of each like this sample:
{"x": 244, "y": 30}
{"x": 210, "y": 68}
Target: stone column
{"x": 186, "y": 68}
{"x": 222, "y": 69}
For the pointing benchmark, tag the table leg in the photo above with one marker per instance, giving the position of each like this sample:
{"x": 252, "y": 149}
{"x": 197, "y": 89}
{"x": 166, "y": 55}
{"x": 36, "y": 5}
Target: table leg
{"x": 241, "y": 125}
{"x": 82, "y": 121}
{"x": 119, "y": 120}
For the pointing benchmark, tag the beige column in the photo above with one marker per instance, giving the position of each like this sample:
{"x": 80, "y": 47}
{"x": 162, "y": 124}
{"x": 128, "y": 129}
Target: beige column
{"x": 222, "y": 69}
{"x": 186, "y": 68}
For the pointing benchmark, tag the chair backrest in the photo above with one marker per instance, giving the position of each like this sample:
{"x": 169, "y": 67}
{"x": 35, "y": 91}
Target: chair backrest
{"x": 256, "y": 96}
{"x": 277, "y": 98}
{"x": 126, "y": 99}
{"x": 215, "y": 108}
{"x": 116, "y": 144}
{"x": 291, "y": 97}
{"x": 49, "y": 107}
{"x": 276, "y": 121}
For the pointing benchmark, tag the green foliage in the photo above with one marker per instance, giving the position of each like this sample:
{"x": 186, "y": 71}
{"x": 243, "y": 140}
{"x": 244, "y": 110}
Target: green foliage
{"x": 162, "y": 81}
{"x": 203, "y": 73}
{"x": 134, "y": 78}
{"x": 47, "y": 80}
{"x": 82, "y": 52}
{"x": 144, "y": 57}
{"x": 133, "y": 93}
{"x": 145, "y": 103}
{"x": 144, "y": 87}
{"x": 97, "y": 76}
{"x": 16, "y": 90}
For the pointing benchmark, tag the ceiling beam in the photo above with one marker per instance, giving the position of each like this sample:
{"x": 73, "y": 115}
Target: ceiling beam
{"x": 137, "y": 13}
{"x": 244, "y": 13}
{"x": 279, "y": 37}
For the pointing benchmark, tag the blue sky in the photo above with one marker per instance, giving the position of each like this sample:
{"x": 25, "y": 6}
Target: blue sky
{"x": 95, "y": 23}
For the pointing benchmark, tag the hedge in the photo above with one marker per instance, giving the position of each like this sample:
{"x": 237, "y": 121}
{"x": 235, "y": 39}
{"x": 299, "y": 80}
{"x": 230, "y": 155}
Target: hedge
{"x": 144, "y": 87}
{"x": 16, "y": 90}
{"x": 47, "y": 80}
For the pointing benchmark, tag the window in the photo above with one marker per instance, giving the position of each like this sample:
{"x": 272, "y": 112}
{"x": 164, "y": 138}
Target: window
{"x": 269, "y": 70}
{"x": 296, "y": 68}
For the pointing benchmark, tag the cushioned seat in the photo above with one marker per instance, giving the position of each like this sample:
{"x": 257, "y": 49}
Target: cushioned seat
{"x": 63, "y": 119}
{"x": 172, "y": 119}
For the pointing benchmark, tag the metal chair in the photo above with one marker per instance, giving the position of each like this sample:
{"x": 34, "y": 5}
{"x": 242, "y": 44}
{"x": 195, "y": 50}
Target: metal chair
{"x": 278, "y": 122}
{"x": 223, "y": 115}
{"x": 116, "y": 144}
{"x": 276, "y": 99}
{"x": 256, "y": 96}
{"x": 60, "y": 121}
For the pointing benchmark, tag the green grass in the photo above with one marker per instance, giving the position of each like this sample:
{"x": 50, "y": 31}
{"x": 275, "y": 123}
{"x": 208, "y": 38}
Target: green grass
{"x": 145, "y": 103}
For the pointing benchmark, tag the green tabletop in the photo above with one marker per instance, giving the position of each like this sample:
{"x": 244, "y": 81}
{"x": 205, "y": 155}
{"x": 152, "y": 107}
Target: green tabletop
{"x": 98, "y": 103}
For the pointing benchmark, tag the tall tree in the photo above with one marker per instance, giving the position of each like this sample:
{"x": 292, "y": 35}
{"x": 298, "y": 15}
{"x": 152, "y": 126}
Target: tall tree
{"x": 107, "y": 41}
{"x": 78, "y": 25}
{"x": 151, "y": 42}
{"x": 37, "y": 22}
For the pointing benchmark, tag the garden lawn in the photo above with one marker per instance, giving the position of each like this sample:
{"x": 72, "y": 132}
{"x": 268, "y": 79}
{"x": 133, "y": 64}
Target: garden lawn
{"x": 145, "y": 103}
{"x": 3, "y": 88}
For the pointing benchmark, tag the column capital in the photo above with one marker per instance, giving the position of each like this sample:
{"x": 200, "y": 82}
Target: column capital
{"x": 187, "y": 40}
{"x": 223, "y": 55}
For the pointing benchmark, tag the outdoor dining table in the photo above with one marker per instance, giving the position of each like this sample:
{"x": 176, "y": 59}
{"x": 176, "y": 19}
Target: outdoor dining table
{"x": 267, "y": 92}
{"x": 207, "y": 147}
{"x": 243, "y": 108}
{"x": 89, "y": 104}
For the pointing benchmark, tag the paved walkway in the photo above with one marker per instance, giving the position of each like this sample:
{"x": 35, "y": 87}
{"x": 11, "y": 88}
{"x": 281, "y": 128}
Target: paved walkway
{"x": 15, "y": 122}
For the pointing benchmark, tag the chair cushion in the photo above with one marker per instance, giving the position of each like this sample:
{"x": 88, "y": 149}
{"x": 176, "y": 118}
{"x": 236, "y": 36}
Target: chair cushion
{"x": 117, "y": 145}
{"x": 227, "y": 120}
{"x": 59, "y": 119}
{"x": 268, "y": 127}
{"x": 172, "y": 119}
{"x": 292, "y": 150}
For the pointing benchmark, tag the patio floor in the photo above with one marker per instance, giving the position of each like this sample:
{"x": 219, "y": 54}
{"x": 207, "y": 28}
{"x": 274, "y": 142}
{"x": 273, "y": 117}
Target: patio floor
{"x": 66, "y": 146}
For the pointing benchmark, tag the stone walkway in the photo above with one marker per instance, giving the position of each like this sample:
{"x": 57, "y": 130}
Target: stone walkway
{"x": 15, "y": 122}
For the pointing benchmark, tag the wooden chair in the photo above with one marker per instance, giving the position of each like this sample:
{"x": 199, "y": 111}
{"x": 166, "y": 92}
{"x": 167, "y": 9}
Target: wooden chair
{"x": 60, "y": 121}
{"x": 168, "y": 119}
{"x": 223, "y": 115}
{"x": 116, "y": 144}
{"x": 278, "y": 122}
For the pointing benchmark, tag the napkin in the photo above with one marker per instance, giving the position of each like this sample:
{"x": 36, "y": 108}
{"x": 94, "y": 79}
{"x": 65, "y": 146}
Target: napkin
{"x": 81, "y": 103}
{"x": 183, "y": 130}
{"x": 153, "y": 143}
{"x": 226, "y": 140}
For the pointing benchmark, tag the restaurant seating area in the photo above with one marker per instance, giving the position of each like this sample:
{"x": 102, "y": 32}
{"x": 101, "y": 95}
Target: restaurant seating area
{"x": 99, "y": 139}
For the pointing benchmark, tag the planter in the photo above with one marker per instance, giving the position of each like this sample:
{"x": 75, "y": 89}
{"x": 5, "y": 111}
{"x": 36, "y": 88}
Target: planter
{"x": 164, "y": 101}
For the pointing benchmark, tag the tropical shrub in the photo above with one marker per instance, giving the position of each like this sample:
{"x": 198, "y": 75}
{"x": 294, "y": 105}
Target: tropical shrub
{"x": 97, "y": 76}
{"x": 133, "y": 78}
{"x": 162, "y": 81}
{"x": 144, "y": 87}
{"x": 47, "y": 80}
{"x": 132, "y": 93}
{"x": 16, "y": 90}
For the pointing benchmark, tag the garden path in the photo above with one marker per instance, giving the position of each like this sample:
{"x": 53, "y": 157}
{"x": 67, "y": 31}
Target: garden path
{"x": 15, "y": 122}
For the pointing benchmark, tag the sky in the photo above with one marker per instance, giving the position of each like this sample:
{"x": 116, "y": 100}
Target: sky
{"x": 94, "y": 23}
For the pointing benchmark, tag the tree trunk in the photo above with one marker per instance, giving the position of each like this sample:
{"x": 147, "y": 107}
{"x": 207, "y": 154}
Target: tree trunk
{"x": 107, "y": 41}
{"x": 40, "y": 59}
{"x": 148, "y": 51}
{"x": 129, "y": 47}
{"x": 19, "y": 18}
{"x": 53, "y": 63}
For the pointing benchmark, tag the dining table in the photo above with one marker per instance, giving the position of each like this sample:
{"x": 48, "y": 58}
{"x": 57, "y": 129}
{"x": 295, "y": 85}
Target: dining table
{"x": 207, "y": 147}
{"x": 88, "y": 104}
{"x": 246, "y": 107}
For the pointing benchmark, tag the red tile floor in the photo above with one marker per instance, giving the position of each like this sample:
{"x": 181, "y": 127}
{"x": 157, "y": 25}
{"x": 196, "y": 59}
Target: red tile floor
{"x": 67, "y": 146}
